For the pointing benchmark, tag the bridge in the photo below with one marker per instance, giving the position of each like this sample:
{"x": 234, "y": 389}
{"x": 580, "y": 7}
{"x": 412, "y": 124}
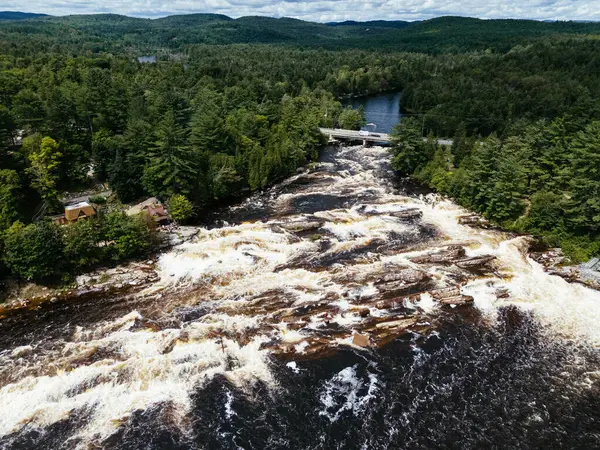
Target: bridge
{"x": 352, "y": 135}
{"x": 336, "y": 134}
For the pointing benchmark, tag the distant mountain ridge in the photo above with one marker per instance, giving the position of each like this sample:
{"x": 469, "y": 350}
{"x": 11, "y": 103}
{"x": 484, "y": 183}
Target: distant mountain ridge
{"x": 17, "y": 15}
{"x": 373, "y": 23}
{"x": 113, "y": 32}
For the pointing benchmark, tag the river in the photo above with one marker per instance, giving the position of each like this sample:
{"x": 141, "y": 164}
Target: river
{"x": 383, "y": 110}
{"x": 339, "y": 309}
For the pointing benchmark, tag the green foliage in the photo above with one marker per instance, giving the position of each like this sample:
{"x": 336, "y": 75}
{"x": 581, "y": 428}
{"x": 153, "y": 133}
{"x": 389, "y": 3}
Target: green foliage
{"x": 180, "y": 208}
{"x": 44, "y": 168}
{"x": 34, "y": 252}
{"x": 83, "y": 244}
{"x": 10, "y": 198}
{"x": 170, "y": 167}
{"x": 410, "y": 151}
{"x": 97, "y": 199}
{"x": 127, "y": 236}
{"x": 352, "y": 119}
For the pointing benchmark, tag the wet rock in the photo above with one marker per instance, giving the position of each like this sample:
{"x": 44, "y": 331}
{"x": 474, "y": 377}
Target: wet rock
{"x": 570, "y": 274}
{"x": 297, "y": 227}
{"x": 474, "y": 220}
{"x": 448, "y": 292}
{"x": 364, "y": 312}
{"x": 549, "y": 258}
{"x": 401, "y": 323}
{"x": 390, "y": 304}
{"x": 458, "y": 300}
{"x": 476, "y": 262}
{"x": 361, "y": 340}
{"x": 502, "y": 293}
{"x": 408, "y": 214}
{"x": 405, "y": 275}
{"x": 451, "y": 296}
{"x": 448, "y": 255}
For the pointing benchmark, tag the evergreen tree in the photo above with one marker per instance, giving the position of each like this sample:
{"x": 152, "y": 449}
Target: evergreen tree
{"x": 171, "y": 167}
{"x": 44, "y": 169}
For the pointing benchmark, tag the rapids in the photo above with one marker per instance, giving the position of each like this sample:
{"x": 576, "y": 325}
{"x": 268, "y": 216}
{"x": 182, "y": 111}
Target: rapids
{"x": 339, "y": 309}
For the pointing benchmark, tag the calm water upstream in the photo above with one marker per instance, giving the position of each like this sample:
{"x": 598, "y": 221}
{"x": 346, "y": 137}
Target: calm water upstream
{"x": 383, "y": 110}
{"x": 246, "y": 341}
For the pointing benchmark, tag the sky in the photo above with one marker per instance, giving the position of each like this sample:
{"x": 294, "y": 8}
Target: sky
{"x": 323, "y": 10}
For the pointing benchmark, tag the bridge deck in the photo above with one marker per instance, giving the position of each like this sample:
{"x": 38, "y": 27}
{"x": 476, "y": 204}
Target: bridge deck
{"x": 353, "y": 135}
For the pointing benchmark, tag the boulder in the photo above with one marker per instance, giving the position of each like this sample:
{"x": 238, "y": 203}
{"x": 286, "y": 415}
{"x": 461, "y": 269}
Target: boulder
{"x": 364, "y": 312}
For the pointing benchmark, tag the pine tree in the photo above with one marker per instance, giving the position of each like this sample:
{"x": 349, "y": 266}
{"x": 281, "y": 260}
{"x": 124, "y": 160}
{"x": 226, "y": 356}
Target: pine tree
{"x": 171, "y": 167}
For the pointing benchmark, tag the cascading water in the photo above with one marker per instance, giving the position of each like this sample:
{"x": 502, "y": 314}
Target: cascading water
{"x": 336, "y": 310}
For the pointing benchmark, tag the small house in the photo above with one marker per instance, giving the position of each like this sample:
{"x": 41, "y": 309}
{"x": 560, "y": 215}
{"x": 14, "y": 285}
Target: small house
{"x": 153, "y": 207}
{"x": 79, "y": 211}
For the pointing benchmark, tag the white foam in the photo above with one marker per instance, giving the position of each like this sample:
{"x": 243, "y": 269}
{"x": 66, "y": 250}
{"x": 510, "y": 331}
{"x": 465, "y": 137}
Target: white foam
{"x": 346, "y": 392}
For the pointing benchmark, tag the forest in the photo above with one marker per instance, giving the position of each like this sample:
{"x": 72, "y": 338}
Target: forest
{"x": 228, "y": 111}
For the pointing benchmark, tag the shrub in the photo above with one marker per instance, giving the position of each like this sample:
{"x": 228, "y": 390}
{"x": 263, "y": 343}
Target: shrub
{"x": 97, "y": 199}
{"x": 180, "y": 208}
{"x": 127, "y": 236}
{"x": 34, "y": 252}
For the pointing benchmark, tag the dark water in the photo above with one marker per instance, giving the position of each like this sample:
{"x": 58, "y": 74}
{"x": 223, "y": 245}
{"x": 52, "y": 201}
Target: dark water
{"x": 383, "y": 110}
{"x": 466, "y": 387}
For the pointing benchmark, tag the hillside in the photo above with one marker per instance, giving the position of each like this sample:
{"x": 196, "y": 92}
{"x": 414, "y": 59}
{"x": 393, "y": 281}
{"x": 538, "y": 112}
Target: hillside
{"x": 110, "y": 32}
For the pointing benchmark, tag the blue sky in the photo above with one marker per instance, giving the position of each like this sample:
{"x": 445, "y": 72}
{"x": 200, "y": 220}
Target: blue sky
{"x": 323, "y": 10}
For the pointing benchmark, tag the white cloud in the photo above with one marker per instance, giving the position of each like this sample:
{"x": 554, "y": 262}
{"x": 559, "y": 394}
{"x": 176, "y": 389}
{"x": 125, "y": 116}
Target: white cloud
{"x": 325, "y": 10}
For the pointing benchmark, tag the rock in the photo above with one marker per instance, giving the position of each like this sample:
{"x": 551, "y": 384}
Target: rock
{"x": 296, "y": 227}
{"x": 408, "y": 214}
{"x": 568, "y": 273}
{"x": 473, "y": 220}
{"x": 458, "y": 300}
{"x": 451, "y": 253}
{"x": 502, "y": 293}
{"x": 402, "y": 323}
{"x": 549, "y": 258}
{"x": 390, "y": 304}
{"x": 404, "y": 275}
{"x": 452, "y": 291}
{"x": 475, "y": 262}
{"x": 361, "y": 340}
{"x": 451, "y": 296}
{"x": 364, "y": 312}
{"x": 83, "y": 280}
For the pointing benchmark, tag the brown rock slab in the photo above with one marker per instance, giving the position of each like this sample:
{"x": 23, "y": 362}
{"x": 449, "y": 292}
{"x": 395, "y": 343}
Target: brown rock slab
{"x": 475, "y": 262}
{"x": 361, "y": 340}
{"x": 450, "y": 254}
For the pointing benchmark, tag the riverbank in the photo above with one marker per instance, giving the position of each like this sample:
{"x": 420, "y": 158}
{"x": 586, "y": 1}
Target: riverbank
{"x": 122, "y": 279}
